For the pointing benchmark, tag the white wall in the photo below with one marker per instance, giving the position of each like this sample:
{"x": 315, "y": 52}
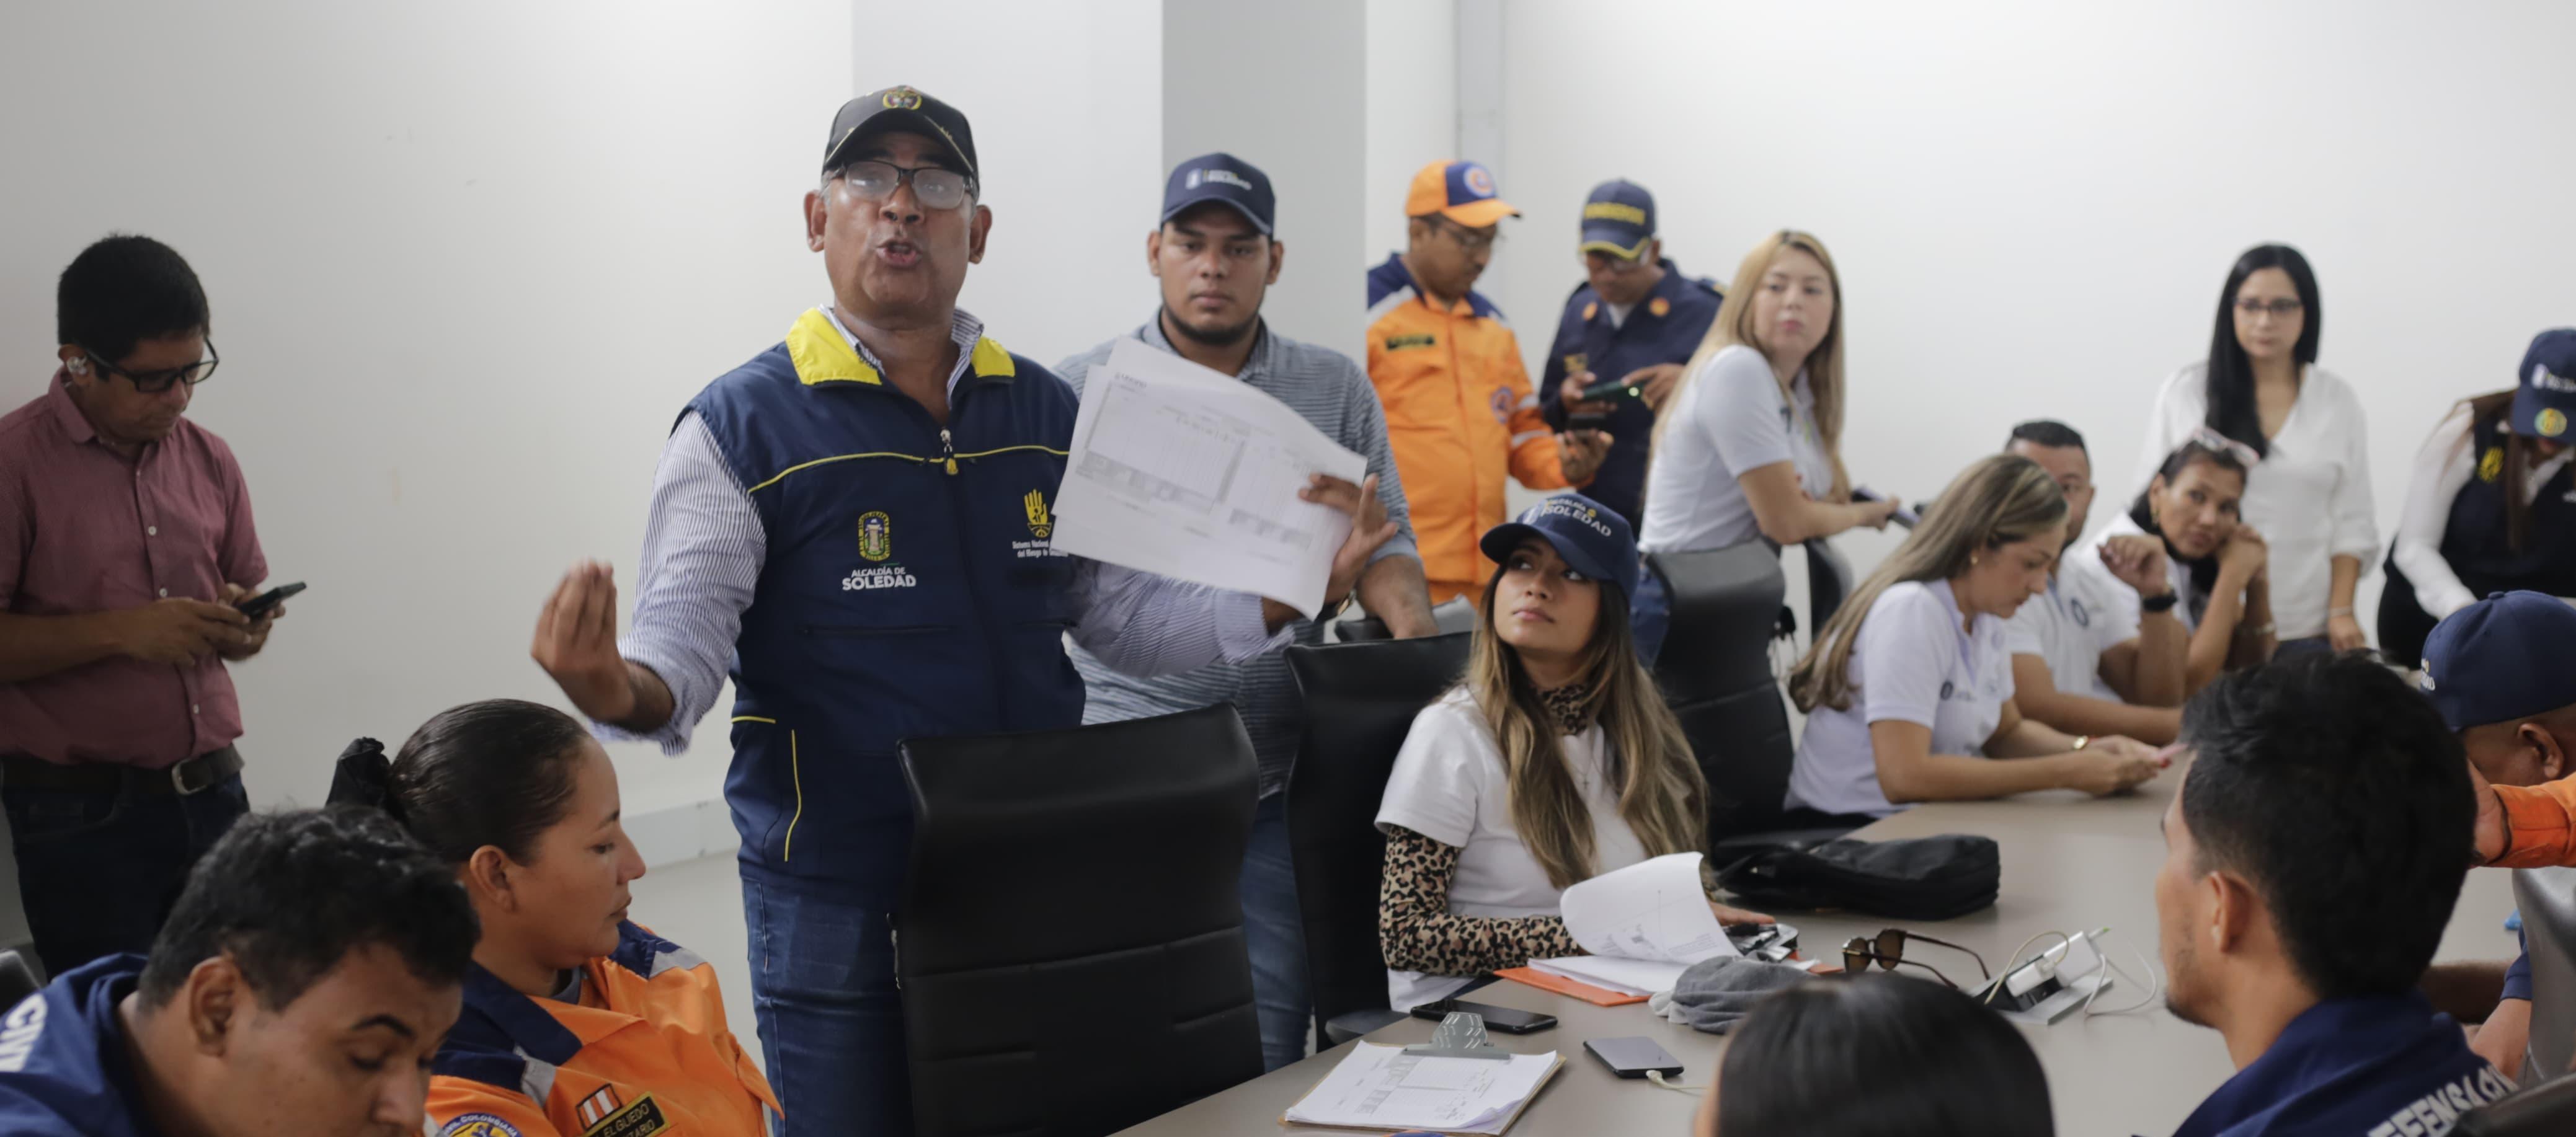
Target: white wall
{"x": 466, "y": 261}
{"x": 2034, "y": 204}
{"x": 1412, "y": 78}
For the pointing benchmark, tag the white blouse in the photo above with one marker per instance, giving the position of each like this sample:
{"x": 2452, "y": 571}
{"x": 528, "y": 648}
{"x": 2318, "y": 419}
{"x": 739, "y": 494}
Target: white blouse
{"x": 2442, "y": 470}
{"x": 2309, "y": 497}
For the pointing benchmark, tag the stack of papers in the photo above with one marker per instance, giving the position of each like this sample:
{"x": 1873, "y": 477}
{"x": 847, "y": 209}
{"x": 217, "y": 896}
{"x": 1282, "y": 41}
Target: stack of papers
{"x": 1192, "y": 474}
{"x": 1384, "y": 1088}
{"x": 1644, "y": 925}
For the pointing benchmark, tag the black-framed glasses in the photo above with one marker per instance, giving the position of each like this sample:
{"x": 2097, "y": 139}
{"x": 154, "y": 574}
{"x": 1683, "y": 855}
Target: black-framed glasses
{"x": 155, "y": 382}
{"x": 1887, "y": 949}
{"x": 1467, "y": 238}
{"x": 938, "y": 187}
{"x": 2281, "y": 307}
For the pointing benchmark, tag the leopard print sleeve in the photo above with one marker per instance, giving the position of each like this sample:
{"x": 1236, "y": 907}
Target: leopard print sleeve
{"x": 1417, "y": 931}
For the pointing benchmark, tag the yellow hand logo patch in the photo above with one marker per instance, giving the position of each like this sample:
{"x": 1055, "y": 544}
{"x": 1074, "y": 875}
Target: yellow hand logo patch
{"x": 1040, "y": 523}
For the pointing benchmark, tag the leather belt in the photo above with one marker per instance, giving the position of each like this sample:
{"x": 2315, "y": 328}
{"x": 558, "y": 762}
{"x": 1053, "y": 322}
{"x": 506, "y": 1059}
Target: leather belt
{"x": 193, "y": 776}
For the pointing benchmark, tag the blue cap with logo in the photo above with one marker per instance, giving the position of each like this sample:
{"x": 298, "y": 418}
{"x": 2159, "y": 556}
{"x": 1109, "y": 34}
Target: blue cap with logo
{"x": 2541, "y": 409}
{"x": 1618, "y": 219}
{"x": 1593, "y": 540}
{"x": 2501, "y": 659}
{"x": 1225, "y": 178}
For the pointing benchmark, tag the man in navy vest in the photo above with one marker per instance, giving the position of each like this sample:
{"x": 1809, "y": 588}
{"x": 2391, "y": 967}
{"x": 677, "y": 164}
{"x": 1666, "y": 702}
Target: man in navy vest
{"x": 2313, "y": 855}
{"x": 859, "y": 520}
{"x": 1635, "y": 319}
{"x": 298, "y": 989}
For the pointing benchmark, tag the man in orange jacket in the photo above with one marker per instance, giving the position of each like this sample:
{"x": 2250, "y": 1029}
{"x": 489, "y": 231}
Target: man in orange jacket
{"x": 1459, "y": 410}
{"x": 2517, "y": 718}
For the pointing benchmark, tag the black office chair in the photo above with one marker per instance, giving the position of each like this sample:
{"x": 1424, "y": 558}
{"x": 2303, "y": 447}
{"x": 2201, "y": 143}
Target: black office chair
{"x": 1360, "y": 702}
{"x": 1829, "y": 582}
{"x": 1715, "y": 669}
{"x": 1452, "y": 615}
{"x": 2547, "y": 898}
{"x": 2544, "y": 1110}
{"x": 17, "y": 980}
{"x": 1071, "y": 946}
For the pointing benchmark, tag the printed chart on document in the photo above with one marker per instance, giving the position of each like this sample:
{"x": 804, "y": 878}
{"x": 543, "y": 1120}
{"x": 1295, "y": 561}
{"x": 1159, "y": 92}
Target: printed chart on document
{"x": 1181, "y": 471}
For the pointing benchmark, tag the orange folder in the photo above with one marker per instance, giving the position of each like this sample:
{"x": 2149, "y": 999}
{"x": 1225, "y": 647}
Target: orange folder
{"x": 1597, "y": 996}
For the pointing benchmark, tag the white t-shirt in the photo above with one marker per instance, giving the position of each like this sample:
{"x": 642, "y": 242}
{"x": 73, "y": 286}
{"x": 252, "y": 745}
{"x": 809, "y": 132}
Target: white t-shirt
{"x": 1449, "y": 785}
{"x": 2309, "y": 497}
{"x": 1729, "y": 420}
{"x": 2442, "y": 470}
{"x": 1911, "y": 661}
{"x": 2070, "y": 626}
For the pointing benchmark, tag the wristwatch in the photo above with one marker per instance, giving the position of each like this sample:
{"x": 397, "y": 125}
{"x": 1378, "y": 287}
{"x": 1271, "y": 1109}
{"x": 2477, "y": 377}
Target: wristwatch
{"x": 2162, "y": 603}
{"x": 2082, "y": 741}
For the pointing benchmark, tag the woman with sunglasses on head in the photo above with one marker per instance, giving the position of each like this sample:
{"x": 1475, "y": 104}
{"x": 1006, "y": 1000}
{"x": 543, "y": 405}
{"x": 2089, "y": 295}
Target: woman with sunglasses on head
{"x": 1553, "y": 760}
{"x": 1908, "y": 688}
{"x": 576, "y": 1020}
{"x": 2307, "y": 486}
{"x": 1749, "y": 444}
{"x": 1883, "y": 1056}
{"x": 2215, "y": 572}
{"x": 2492, "y": 507}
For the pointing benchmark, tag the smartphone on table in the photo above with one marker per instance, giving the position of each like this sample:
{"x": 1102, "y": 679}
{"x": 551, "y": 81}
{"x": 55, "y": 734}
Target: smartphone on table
{"x": 1505, "y": 1020}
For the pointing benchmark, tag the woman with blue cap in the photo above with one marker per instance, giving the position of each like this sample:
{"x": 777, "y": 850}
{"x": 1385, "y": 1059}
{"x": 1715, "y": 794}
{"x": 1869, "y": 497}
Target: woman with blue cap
{"x": 1552, "y": 761}
{"x": 2489, "y": 508}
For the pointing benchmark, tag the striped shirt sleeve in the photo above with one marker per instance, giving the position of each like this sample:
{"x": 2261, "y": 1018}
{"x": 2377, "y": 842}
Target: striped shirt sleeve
{"x": 703, "y": 549}
{"x": 1145, "y": 625}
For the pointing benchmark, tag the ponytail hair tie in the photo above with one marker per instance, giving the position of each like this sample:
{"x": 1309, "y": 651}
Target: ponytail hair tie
{"x": 365, "y": 777}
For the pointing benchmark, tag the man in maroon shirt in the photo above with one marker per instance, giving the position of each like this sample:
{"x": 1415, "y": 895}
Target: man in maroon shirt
{"x": 125, "y": 542}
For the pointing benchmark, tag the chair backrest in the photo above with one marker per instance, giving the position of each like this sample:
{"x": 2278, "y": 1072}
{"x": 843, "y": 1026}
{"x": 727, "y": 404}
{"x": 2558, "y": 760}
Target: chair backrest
{"x": 2544, "y": 1109}
{"x": 2548, "y": 901}
{"x": 1829, "y": 581}
{"x": 17, "y": 980}
{"x": 1070, "y": 946}
{"x": 1452, "y": 615}
{"x": 1360, "y": 702}
{"x": 1715, "y": 670}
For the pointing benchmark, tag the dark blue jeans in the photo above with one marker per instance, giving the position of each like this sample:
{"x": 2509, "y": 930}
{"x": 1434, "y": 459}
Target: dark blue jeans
{"x": 1650, "y": 616}
{"x": 2308, "y": 645}
{"x": 1274, "y": 933}
{"x": 831, "y": 1020}
{"x": 98, "y": 872}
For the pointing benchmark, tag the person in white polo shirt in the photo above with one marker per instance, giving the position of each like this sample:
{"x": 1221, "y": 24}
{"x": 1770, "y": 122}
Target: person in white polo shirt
{"x": 1908, "y": 690}
{"x": 2086, "y": 658}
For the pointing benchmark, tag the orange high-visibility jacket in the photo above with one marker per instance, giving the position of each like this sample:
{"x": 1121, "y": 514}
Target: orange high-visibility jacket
{"x": 644, "y": 1053}
{"x": 1459, "y": 416}
{"x": 2540, "y": 824}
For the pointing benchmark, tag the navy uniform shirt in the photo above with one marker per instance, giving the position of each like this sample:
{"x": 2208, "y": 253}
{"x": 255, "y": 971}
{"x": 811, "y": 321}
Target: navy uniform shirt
{"x": 1665, "y": 327}
{"x": 2369, "y": 1067}
{"x": 63, "y": 1069}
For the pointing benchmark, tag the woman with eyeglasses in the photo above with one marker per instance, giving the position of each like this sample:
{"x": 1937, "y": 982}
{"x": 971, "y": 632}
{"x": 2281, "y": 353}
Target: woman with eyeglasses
{"x": 1908, "y": 689}
{"x": 576, "y": 1019}
{"x": 2492, "y": 507}
{"x": 2215, "y": 566}
{"x": 1749, "y": 444}
{"x": 2306, "y": 444}
{"x": 1552, "y": 761}
{"x": 1883, "y": 1056}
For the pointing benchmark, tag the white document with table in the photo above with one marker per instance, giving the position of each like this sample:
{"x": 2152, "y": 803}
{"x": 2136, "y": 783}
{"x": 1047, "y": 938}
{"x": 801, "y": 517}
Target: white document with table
{"x": 1185, "y": 472}
{"x": 1644, "y": 925}
{"x": 1385, "y": 1089}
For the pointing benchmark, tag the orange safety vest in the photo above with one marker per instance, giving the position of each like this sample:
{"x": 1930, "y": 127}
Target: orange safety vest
{"x": 1459, "y": 416}
{"x": 644, "y": 1053}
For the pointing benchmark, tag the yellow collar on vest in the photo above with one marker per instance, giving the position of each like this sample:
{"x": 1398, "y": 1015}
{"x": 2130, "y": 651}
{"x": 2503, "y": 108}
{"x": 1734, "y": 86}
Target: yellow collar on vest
{"x": 822, "y": 355}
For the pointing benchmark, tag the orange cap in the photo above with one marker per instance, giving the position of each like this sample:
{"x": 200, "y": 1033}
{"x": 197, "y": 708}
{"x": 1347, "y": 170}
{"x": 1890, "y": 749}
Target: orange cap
{"x": 1460, "y": 191}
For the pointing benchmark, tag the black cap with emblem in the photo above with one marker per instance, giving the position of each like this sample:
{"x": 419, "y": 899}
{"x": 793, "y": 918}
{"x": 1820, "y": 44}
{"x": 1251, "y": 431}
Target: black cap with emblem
{"x": 900, "y": 108}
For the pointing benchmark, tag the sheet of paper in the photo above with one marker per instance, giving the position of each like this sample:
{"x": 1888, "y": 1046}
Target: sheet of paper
{"x": 1382, "y": 1087}
{"x": 1185, "y": 472}
{"x": 1652, "y": 910}
{"x": 1611, "y": 973}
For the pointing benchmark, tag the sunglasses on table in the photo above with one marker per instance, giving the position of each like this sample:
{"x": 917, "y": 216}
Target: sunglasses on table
{"x": 1887, "y": 949}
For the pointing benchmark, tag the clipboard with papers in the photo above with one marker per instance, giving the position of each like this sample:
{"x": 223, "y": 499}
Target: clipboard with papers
{"x": 1382, "y": 1089}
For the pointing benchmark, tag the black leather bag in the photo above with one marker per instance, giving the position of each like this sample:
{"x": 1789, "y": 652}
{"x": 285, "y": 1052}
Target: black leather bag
{"x": 1926, "y": 878}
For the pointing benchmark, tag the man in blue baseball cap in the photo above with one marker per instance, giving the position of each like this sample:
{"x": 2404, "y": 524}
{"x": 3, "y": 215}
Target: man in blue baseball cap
{"x": 1216, "y": 253}
{"x": 2497, "y": 670}
{"x": 1635, "y": 320}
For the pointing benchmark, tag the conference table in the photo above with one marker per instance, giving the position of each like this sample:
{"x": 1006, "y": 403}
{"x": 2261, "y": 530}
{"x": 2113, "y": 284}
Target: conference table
{"x": 2070, "y": 863}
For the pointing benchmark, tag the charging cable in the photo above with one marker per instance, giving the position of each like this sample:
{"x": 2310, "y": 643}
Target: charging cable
{"x": 1657, "y": 1077}
{"x": 2155, "y": 982}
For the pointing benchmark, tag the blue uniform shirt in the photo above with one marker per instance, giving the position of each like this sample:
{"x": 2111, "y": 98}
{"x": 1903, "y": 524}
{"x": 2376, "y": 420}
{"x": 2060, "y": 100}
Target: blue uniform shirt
{"x": 63, "y": 1069}
{"x": 1665, "y": 327}
{"x": 2368, "y": 1067}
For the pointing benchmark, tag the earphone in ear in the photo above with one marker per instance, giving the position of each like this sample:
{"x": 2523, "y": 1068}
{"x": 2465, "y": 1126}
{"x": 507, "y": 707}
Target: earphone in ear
{"x": 77, "y": 366}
